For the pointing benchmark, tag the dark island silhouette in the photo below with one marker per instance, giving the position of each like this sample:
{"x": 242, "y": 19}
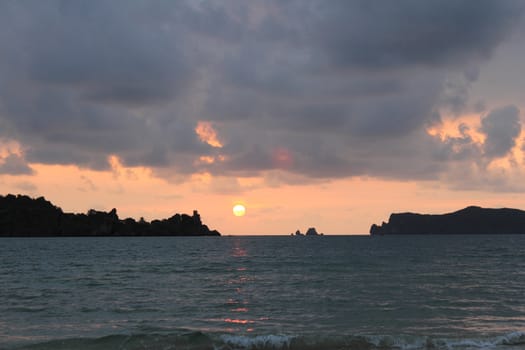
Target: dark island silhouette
{"x": 310, "y": 232}
{"x": 22, "y": 216}
{"x": 470, "y": 220}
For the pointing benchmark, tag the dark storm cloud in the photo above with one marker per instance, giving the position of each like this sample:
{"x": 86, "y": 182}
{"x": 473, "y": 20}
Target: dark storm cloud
{"x": 109, "y": 51}
{"x": 345, "y": 87}
{"x": 13, "y": 164}
{"x": 376, "y": 34}
{"x": 360, "y": 80}
{"x": 501, "y": 128}
{"x": 85, "y": 79}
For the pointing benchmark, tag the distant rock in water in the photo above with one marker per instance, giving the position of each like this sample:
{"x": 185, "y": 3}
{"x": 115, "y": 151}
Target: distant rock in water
{"x": 471, "y": 220}
{"x": 25, "y": 216}
{"x": 310, "y": 232}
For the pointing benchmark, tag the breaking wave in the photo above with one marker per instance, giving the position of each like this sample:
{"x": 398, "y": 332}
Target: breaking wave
{"x": 202, "y": 341}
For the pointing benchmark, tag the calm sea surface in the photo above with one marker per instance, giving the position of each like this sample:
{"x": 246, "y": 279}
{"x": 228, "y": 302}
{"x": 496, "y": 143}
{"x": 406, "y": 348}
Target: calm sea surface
{"x": 352, "y": 292}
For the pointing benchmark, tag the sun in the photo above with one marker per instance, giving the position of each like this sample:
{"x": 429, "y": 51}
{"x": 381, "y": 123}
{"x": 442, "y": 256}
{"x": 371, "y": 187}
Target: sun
{"x": 239, "y": 210}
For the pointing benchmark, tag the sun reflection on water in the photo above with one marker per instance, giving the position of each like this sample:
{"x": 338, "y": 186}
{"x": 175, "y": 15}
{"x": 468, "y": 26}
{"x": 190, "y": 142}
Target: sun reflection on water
{"x": 238, "y": 313}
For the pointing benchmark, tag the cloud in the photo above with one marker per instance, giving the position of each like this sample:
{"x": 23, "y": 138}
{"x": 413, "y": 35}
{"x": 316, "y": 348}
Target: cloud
{"x": 379, "y": 35}
{"x": 347, "y": 88}
{"x": 109, "y": 52}
{"x": 86, "y": 80}
{"x": 460, "y": 148}
{"x": 502, "y": 127}
{"x": 484, "y": 155}
{"x": 14, "y": 164}
{"x": 207, "y": 134}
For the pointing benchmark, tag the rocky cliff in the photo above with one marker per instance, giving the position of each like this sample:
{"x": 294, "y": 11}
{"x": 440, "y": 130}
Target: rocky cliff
{"x": 25, "y": 216}
{"x": 471, "y": 220}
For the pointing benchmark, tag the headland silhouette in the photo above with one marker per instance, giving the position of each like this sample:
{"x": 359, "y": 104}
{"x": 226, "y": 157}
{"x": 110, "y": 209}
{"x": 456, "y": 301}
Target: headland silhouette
{"x": 470, "y": 220}
{"x": 22, "y": 215}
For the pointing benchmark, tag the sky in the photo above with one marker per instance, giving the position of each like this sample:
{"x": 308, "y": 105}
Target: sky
{"x": 330, "y": 114}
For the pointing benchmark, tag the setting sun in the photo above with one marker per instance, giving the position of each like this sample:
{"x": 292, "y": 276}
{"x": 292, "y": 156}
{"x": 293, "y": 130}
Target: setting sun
{"x": 239, "y": 210}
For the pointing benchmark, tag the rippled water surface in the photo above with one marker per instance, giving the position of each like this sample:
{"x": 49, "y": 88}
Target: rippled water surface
{"x": 263, "y": 292}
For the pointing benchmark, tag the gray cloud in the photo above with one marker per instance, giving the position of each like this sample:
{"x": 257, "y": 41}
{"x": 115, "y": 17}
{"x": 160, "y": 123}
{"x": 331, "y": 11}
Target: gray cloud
{"x": 109, "y": 52}
{"x": 502, "y": 127}
{"x": 382, "y": 35}
{"x": 13, "y": 164}
{"x": 346, "y": 88}
{"x": 460, "y": 148}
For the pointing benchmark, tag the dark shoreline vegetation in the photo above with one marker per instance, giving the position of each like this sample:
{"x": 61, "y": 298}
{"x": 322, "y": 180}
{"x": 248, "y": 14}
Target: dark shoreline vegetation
{"x": 22, "y": 216}
{"x": 470, "y": 220}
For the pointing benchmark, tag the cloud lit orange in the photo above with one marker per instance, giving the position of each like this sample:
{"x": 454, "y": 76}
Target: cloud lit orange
{"x": 207, "y": 134}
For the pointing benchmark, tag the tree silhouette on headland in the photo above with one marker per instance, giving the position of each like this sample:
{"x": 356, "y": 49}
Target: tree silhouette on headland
{"x": 21, "y": 215}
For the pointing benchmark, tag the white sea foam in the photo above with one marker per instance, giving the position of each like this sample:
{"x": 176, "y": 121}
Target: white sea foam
{"x": 201, "y": 341}
{"x": 270, "y": 341}
{"x": 513, "y": 338}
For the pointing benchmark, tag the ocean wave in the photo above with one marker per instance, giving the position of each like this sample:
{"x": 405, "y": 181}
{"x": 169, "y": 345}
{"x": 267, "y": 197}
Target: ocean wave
{"x": 202, "y": 341}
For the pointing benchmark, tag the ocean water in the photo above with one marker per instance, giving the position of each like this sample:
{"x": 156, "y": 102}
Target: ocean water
{"x": 330, "y": 292}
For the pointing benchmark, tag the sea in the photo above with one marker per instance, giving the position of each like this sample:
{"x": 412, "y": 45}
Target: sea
{"x": 263, "y": 292}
